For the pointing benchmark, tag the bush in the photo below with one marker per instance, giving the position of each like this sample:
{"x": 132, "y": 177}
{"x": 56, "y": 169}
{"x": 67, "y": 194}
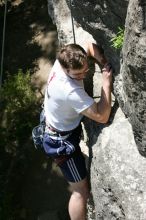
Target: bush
{"x": 19, "y": 107}
{"x": 117, "y": 41}
{"x": 19, "y": 110}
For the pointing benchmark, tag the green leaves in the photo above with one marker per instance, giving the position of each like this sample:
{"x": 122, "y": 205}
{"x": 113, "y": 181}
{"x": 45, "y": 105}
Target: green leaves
{"x": 18, "y": 110}
{"x": 117, "y": 41}
{"x": 17, "y": 92}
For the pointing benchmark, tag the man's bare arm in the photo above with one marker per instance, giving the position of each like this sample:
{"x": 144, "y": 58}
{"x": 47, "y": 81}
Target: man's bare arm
{"x": 97, "y": 53}
{"x": 100, "y": 111}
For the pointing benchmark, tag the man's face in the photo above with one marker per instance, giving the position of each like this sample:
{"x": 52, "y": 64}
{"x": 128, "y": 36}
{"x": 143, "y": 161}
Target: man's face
{"x": 78, "y": 74}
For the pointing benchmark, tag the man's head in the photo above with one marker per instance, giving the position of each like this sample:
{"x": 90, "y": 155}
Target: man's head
{"x": 73, "y": 59}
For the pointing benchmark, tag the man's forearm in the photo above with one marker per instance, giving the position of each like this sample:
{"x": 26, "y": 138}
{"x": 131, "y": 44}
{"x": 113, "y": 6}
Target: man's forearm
{"x": 98, "y": 54}
{"x": 104, "y": 105}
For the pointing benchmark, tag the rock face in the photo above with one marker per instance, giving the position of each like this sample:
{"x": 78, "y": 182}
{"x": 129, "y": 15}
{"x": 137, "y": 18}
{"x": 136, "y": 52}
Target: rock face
{"x": 117, "y": 172}
{"x": 117, "y": 151}
{"x": 133, "y": 71}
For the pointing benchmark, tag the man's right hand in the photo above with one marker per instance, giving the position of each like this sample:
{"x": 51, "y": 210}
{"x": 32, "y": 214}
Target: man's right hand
{"x": 107, "y": 75}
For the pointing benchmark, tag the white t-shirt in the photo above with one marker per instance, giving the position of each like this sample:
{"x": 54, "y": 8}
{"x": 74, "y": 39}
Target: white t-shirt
{"x": 65, "y": 99}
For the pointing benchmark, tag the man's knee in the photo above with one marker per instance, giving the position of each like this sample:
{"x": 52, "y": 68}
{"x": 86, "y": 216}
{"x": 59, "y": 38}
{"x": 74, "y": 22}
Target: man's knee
{"x": 81, "y": 195}
{"x": 80, "y": 189}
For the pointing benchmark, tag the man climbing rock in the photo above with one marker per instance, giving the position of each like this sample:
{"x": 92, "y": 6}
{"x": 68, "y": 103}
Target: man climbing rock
{"x": 66, "y": 102}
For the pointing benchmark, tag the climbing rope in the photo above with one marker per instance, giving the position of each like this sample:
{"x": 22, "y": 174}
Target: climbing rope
{"x": 72, "y": 20}
{"x": 3, "y": 43}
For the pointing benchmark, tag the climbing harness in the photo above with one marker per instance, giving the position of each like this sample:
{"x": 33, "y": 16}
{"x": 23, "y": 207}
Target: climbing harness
{"x": 3, "y": 43}
{"x": 72, "y": 20}
{"x": 53, "y": 142}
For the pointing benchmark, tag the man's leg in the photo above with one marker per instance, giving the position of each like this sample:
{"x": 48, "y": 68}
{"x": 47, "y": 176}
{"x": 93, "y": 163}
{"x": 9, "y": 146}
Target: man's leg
{"x": 78, "y": 200}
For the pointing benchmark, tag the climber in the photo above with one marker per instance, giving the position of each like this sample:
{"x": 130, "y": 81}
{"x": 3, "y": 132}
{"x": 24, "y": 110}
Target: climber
{"x": 66, "y": 102}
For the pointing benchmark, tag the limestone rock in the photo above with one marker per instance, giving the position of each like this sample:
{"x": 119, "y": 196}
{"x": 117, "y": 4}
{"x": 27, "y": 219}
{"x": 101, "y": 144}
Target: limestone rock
{"x": 117, "y": 173}
{"x": 133, "y": 71}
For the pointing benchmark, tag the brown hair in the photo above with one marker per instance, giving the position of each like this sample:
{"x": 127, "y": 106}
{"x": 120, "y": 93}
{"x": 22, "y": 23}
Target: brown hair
{"x": 72, "y": 56}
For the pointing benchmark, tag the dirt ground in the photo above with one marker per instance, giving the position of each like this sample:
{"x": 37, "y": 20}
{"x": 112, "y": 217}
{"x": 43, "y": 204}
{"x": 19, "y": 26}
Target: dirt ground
{"x": 30, "y": 44}
{"x": 30, "y": 39}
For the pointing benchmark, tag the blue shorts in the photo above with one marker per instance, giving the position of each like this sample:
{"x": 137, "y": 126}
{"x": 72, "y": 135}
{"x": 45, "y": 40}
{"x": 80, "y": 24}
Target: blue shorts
{"x": 72, "y": 166}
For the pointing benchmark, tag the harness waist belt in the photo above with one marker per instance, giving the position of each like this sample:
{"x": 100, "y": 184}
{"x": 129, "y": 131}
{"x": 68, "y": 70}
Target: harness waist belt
{"x": 55, "y": 132}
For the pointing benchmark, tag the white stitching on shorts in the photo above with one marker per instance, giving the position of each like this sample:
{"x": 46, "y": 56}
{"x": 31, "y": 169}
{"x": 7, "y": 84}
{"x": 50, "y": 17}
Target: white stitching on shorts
{"x": 73, "y": 170}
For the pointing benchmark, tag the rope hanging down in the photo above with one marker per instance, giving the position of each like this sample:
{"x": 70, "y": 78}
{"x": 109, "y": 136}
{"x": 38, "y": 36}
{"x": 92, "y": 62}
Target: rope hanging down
{"x": 72, "y": 20}
{"x": 3, "y": 43}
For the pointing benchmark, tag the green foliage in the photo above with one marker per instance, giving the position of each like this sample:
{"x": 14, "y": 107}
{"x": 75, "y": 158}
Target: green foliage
{"x": 19, "y": 110}
{"x": 117, "y": 41}
{"x": 18, "y": 102}
{"x": 17, "y": 92}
